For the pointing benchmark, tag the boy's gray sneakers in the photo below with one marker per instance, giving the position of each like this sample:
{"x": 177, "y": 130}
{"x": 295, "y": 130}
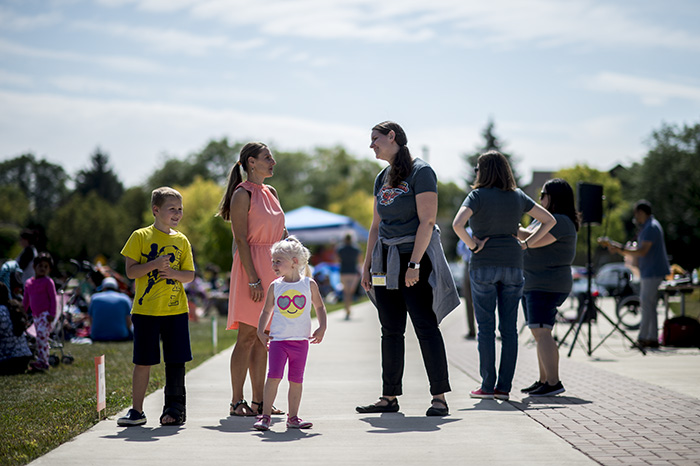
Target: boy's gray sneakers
{"x": 132, "y": 418}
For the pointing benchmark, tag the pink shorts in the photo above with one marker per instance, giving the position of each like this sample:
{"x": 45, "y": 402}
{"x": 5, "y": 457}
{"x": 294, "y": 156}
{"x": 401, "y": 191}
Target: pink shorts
{"x": 294, "y": 351}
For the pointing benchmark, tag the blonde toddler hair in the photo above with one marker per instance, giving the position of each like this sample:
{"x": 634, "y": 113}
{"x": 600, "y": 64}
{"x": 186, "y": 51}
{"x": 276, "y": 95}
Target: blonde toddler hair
{"x": 292, "y": 248}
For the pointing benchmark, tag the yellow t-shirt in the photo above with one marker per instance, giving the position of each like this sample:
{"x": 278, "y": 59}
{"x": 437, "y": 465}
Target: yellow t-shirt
{"x": 157, "y": 296}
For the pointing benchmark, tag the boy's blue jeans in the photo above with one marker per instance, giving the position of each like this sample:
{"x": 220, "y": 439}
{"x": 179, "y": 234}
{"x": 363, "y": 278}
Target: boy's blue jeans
{"x": 497, "y": 288}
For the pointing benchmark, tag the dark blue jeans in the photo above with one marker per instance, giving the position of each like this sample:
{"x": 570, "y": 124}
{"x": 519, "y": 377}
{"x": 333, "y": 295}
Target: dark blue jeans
{"x": 497, "y": 288}
{"x": 417, "y": 302}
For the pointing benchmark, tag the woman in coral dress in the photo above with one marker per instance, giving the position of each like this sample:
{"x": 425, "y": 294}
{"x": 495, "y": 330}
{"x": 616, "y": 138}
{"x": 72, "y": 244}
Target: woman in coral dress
{"x": 257, "y": 222}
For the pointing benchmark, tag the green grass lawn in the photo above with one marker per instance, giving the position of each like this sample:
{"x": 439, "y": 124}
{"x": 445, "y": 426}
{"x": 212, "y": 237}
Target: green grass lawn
{"x": 38, "y": 412}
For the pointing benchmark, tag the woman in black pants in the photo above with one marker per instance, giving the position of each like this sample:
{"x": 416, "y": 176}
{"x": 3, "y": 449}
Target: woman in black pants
{"x": 403, "y": 250}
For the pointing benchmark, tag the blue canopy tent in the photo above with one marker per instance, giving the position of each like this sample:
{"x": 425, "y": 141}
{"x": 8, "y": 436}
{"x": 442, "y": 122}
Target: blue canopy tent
{"x": 316, "y": 226}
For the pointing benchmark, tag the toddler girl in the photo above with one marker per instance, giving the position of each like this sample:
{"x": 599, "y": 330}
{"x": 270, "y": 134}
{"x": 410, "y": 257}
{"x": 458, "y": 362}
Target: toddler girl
{"x": 40, "y": 298}
{"x": 288, "y": 304}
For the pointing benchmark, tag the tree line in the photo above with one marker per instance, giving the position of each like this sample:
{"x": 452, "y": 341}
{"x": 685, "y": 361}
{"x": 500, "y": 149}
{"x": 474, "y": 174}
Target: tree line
{"x": 94, "y": 218}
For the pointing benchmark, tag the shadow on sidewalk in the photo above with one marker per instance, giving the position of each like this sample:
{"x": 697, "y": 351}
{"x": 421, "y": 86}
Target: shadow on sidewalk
{"x": 244, "y": 424}
{"x": 395, "y": 423}
{"x": 551, "y": 402}
{"x": 290, "y": 435}
{"x": 144, "y": 434}
{"x": 489, "y": 405}
{"x": 239, "y": 424}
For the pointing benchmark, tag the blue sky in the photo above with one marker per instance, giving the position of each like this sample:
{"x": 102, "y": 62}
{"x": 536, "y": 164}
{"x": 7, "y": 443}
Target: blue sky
{"x": 566, "y": 82}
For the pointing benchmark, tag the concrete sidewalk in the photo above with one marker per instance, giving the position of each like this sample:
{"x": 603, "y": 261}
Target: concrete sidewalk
{"x": 608, "y": 416}
{"x": 620, "y": 406}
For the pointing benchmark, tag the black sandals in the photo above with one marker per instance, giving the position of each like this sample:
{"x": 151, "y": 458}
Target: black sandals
{"x": 433, "y": 411}
{"x": 391, "y": 406}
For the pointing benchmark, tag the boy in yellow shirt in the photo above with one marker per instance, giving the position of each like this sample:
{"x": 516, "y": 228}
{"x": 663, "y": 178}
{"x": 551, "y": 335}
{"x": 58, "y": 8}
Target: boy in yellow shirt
{"x": 160, "y": 259}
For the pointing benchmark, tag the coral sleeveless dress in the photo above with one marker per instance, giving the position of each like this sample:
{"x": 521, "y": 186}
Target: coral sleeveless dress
{"x": 265, "y": 227}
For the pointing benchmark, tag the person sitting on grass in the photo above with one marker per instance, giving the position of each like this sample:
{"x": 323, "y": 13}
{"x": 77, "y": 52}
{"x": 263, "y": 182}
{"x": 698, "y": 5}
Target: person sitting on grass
{"x": 110, "y": 313}
{"x": 288, "y": 304}
{"x": 160, "y": 259}
{"x": 14, "y": 350}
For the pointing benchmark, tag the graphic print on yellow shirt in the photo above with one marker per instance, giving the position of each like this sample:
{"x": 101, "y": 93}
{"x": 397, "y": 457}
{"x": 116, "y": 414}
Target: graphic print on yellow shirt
{"x": 156, "y": 295}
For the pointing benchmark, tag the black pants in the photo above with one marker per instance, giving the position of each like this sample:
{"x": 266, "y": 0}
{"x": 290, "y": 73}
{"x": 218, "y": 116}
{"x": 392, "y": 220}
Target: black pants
{"x": 417, "y": 302}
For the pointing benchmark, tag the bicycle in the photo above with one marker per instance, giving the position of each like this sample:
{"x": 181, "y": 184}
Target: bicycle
{"x": 627, "y": 305}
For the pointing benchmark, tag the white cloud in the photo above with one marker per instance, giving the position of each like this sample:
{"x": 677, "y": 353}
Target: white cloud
{"x": 220, "y": 95}
{"x": 10, "y": 20}
{"x": 134, "y": 133}
{"x": 598, "y": 142}
{"x": 652, "y": 92}
{"x": 512, "y": 23}
{"x": 92, "y": 86}
{"x": 151, "y": 5}
{"x": 115, "y": 62}
{"x": 15, "y": 79}
{"x": 504, "y": 23}
{"x": 171, "y": 40}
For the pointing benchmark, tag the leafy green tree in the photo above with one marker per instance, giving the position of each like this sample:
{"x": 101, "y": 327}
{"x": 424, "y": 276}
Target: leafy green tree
{"x": 212, "y": 163}
{"x": 334, "y": 173}
{"x": 450, "y": 198}
{"x": 613, "y": 206}
{"x": 9, "y": 246}
{"x": 325, "y": 178}
{"x": 291, "y": 179}
{"x": 358, "y": 205}
{"x": 43, "y": 183}
{"x": 491, "y": 142}
{"x": 669, "y": 179}
{"x": 136, "y": 203}
{"x": 14, "y": 213}
{"x": 14, "y": 205}
{"x": 173, "y": 172}
{"x": 99, "y": 178}
{"x": 210, "y": 236}
{"x": 217, "y": 158}
{"x": 87, "y": 227}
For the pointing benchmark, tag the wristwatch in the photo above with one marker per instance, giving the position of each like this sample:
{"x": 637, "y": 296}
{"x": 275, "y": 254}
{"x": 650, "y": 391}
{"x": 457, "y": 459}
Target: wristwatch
{"x": 413, "y": 265}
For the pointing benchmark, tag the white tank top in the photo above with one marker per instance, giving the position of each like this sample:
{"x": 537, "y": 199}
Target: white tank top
{"x": 291, "y": 319}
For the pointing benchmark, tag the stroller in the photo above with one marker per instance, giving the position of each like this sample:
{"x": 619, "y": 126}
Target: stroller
{"x": 56, "y": 339}
{"x": 64, "y": 324}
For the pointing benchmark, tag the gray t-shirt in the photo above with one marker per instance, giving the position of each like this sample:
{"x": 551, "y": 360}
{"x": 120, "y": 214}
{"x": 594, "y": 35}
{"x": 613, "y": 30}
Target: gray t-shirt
{"x": 397, "y": 205}
{"x": 549, "y": 268}
{"x": 348, "y": 254}
{"x": 497, "y": 214}
{"x": 655, "y": 263}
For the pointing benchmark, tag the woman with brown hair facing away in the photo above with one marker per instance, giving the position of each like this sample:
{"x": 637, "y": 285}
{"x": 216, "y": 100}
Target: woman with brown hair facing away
{"x": 548, "y": 280}
{"x": 257, "y": 222}
{"x": 493, "y": 209}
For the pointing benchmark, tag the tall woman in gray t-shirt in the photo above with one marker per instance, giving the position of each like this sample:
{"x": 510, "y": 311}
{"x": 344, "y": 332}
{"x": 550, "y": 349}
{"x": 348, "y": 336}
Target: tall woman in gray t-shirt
{"x": 493, "y": 209}
{"x": 398, "y": 264}
{"x": 548, "y": 280}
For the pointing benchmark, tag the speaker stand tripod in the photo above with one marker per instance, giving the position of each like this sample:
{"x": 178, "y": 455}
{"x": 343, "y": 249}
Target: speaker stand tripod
{"x": 588, "y": 311}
